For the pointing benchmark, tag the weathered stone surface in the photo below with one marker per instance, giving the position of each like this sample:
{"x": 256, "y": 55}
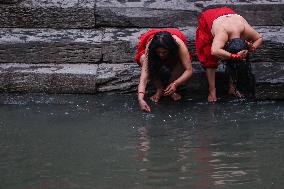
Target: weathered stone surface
{"x": 117, "y": 77}
{"x": 113, "y": 48}
{"x": 48, "y": 78}
{"x": 143, "y": 17}
{"x": 146, "y": 13}
{"x": 272, "y": 49}
{"x": 116, "y": 13}
{"x": 269, "y": 80}
{"x": 260, "y": 14}
{"x": 50, "y": 46}
{"x": 9, "y": 1}
{"x": 119, "y": 45}
{"x": 107, "y": 45}
{"x": 269, "y": 91}
{"x": 124, "y": 77}
{"x": 48, "y": 14}
{"x": 181, "y": 13}
{"x": 269, "y": 72}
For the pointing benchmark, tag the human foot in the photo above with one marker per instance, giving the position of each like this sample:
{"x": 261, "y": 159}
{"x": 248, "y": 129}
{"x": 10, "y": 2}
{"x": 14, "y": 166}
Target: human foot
{"x": 156, "y": 97}
{"x": 235, "y": 92}
{"x": 212, "y": 95}
{"x": 176, "y": 96}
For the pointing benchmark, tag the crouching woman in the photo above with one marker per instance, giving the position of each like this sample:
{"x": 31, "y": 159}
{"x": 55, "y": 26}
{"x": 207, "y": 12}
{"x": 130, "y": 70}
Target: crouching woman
{"x": 165, "y": 60}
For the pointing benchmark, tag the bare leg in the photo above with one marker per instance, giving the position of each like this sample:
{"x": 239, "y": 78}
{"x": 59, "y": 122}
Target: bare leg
{"x": 159, "y": 91}
{"x": 176, "y": 73}
{"x": 234, "y": 91}
{"x": 211, "y": 82}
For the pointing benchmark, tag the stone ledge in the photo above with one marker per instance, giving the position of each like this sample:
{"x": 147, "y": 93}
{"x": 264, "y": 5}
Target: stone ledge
{"x": 48, "y": 78}
{"x": 258, "y": 14}
{"x": 48, "y": 14}
{"x": 119, "y": 45}
{"x": 269, "y": 72}
{"x": 269, "y": 91}
{"x": 122, "y": 78}
{"x": 50, "y": 46}
{"x": 181, "y": 13}
{"x": 141, "y": 13}
{"x": 105, "y": 45}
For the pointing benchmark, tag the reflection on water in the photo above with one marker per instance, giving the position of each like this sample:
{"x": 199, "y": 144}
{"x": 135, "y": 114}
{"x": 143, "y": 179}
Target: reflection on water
{"x": 106, "y": 142}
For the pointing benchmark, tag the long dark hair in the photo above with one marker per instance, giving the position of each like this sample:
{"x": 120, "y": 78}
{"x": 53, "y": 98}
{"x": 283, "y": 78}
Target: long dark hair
{"x": 156, "y": 68}
{"x": 239, "y": 71}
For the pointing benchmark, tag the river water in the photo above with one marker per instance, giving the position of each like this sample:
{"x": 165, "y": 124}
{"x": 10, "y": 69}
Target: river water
{"x": 105, "y": 142}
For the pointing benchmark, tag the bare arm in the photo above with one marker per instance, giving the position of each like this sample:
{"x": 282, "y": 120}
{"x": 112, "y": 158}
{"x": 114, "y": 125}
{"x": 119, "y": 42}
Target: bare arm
{"x": 218, "y": 44}
{"x": 219, "y": 41}
{"x": 143, "y": 83}
{"x": 251, "y": 35}
{"x": 185, "y": 61}
{"x": 143, "y": 78}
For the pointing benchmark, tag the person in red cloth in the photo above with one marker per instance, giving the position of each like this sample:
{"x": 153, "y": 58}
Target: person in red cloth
{"x": 216, "y": 28}
{"x": 164, "y": 58}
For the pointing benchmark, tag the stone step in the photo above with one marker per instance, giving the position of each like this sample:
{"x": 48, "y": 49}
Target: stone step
{"x": 47, "y": 14}
{"x": 48, "y": 78}
{"x": 50, "y": 46}
{"x": 128, "y": 13}
{"x": 181, "y": 13}
{"x": 107, "y": 45}
{"x": 68, "y": 78}
{"x": 120, "y": 78}
{"x": 120, "y": 44}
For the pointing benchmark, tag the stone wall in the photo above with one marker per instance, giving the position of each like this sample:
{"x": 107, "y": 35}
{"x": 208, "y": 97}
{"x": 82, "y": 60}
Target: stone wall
{"x": 87, "y": 46}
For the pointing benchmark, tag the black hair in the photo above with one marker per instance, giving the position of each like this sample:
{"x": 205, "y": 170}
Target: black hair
{"x": 239, "y": 71}
{"x": 156, "y": 68}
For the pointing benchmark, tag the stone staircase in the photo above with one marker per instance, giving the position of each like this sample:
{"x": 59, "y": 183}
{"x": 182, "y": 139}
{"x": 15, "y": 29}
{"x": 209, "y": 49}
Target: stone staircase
{"x": 87, "y": 46}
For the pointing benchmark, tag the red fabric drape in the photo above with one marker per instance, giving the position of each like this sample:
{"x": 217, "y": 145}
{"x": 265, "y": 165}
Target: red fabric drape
{"x": 146, "y": 37}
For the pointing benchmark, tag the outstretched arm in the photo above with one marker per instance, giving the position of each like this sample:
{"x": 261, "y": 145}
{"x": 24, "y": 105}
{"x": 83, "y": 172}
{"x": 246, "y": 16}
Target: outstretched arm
{"x": 142, "y": 85}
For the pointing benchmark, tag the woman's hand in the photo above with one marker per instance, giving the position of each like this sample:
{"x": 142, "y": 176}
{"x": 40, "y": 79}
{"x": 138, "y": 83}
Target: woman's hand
{"x": 250, "y": 45}
{"x": 144, "y": 106}
{"x": 171, "y": 88}
{"x": 242, "y": 54}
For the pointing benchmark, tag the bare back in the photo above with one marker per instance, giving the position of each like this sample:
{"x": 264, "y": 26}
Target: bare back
{"x": 229, "y": 27}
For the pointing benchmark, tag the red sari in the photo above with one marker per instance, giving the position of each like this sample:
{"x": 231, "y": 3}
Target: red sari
{"x": 146, "y": 37}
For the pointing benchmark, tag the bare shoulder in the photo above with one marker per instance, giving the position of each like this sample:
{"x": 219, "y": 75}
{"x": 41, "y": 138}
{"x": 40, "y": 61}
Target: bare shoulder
{"x": 249, "y": 32}
{"x": 178, "y": 40}
{"x": 220, "y": 38}
{"x": 218, "y": 29}
{"x": 220, "y": 33}
{"x": 241, "y": 18}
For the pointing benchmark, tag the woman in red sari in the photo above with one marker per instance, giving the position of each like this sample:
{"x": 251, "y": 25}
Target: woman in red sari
{"x": 218, "y": 27}
{"x": 164, "y": 58}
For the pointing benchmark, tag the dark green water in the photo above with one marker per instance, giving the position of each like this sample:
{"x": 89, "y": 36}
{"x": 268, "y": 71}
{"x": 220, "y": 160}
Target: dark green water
{"x": 105, "y": 142}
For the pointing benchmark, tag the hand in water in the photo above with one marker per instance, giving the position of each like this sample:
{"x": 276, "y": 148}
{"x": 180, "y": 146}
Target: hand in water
{"x": 144, "y": 106}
